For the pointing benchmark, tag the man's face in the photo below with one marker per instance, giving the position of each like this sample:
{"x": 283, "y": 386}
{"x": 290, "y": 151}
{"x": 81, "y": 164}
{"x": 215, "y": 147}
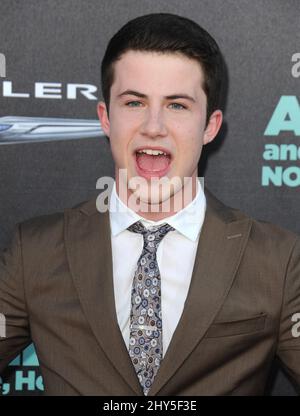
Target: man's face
{"x": 157, "y": 103}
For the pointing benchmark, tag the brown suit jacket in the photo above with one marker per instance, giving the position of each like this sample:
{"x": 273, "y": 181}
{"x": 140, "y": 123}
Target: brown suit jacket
{"x": 56, "y": 289}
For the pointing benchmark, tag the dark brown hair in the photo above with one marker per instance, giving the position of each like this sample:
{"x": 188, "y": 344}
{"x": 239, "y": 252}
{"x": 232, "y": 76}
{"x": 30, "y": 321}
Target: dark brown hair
{"x": 167, "y": 33}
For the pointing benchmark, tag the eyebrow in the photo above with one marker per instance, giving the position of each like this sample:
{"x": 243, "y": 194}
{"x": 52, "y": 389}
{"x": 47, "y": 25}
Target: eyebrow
{"x": 168, "y": 97}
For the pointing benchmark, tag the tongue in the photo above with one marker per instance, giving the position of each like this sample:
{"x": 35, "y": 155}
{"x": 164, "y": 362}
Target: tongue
{"x": 152, "y": 163}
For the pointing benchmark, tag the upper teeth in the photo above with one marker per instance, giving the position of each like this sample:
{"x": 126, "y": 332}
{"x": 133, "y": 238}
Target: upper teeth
{"x": 152, "y": 152}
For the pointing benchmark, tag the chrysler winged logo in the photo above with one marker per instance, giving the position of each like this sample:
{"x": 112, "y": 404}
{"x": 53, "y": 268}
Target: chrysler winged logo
{"x": 37, "y": 129}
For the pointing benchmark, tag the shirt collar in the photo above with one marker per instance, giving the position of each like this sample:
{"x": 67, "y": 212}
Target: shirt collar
{"x": 188, "y": 221}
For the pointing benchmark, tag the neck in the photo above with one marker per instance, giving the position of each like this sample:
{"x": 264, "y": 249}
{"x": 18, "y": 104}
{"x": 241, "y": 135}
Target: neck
{"x": 163, "y": 209}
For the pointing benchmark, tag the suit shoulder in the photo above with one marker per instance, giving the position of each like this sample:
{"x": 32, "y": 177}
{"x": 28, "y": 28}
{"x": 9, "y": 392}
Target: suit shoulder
{"x": 54, "y": 222}
{"x": 272, "y": 238}
{"x": 267, "y": 236}
{"x": 263, "y": 230}
{"x": 263, "y": 233}
{"x": 273, "y": 230}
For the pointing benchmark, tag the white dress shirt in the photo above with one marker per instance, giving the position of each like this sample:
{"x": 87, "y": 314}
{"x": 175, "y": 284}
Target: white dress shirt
{"x": 175, "y": 256}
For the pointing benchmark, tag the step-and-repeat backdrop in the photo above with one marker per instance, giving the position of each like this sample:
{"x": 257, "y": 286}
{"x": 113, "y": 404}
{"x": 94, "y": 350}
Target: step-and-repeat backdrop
{"x": 52, "y": 150}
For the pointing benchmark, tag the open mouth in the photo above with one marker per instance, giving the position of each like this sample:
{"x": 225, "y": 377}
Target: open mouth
{"x": 154, "y": 162}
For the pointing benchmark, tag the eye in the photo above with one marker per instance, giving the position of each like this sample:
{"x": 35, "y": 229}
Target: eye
{"x": 134, "y": 104}
{"x": 177, "y": 106}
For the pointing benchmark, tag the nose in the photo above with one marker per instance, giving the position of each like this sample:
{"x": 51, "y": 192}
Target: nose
{"x": 153, "y": 125}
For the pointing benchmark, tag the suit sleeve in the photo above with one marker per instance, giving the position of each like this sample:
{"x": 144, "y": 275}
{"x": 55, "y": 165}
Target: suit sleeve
{"x": 289, "y": 333}
{"x": 14, "y": 326}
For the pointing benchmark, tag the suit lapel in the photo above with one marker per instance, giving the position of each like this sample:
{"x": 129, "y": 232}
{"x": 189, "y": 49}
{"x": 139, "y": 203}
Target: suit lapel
{"x": 87, "y": 234}
{"x": 221, "y": 244}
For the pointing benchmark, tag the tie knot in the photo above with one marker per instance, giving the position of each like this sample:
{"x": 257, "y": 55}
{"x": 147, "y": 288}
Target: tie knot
{"x": 152, "y": 235}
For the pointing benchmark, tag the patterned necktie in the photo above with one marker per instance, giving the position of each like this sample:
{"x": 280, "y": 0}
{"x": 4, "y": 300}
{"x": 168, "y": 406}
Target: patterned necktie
{"x": 145, "y": 342}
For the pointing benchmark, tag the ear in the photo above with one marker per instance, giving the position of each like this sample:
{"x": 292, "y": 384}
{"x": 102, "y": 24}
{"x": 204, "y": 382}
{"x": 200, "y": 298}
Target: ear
{"x": 103, "y": 117}
{"x": 213, "y": 126}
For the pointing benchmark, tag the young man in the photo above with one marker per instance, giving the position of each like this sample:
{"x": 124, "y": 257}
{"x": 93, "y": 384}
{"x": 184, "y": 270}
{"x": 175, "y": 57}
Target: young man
{"x": 170, "y": 292}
